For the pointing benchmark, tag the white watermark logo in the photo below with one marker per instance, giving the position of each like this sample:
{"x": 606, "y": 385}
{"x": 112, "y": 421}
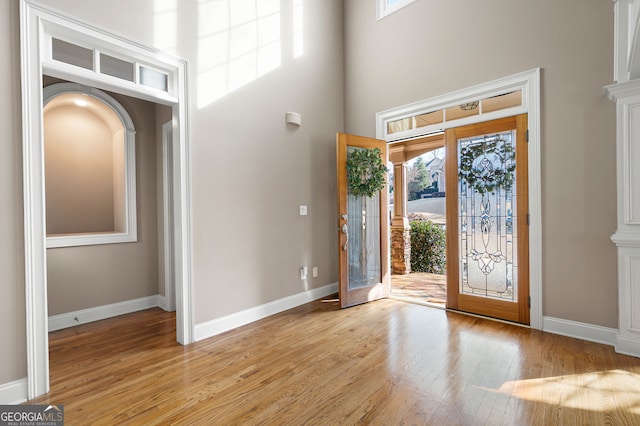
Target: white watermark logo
{"x": 31, "y": 415}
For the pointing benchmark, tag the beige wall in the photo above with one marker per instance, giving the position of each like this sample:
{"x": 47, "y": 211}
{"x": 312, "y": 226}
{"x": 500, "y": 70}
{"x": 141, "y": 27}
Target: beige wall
{"x": 90, "y": 276}
{"x": 13, "y": 363}
{"x": 432, "y": 48}
{"x": 250, "y": 172}
{"x": 79, "y": 171}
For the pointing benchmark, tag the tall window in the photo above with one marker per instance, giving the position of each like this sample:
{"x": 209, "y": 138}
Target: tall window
{"x": 387, "y": 7}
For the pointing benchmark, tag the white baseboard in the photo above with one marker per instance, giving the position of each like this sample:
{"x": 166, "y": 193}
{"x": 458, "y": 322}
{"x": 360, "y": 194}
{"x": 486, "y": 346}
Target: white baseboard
{"x": 628, "y": 346}
{"x": 13, "y": 392}
{"x": 580, "y": 330}
{"x": 83, "y": 316}
{"x": 162, "y": 302}
{"x": 238, "y": 319}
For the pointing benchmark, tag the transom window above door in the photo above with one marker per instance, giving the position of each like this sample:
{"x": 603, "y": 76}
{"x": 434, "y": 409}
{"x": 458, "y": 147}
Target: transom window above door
{"x": 64, "y": 52}
{"x": 450, "y": 113}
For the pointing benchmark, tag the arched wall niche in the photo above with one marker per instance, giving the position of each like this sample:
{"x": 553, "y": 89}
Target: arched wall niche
{"x": 89, "y": 147}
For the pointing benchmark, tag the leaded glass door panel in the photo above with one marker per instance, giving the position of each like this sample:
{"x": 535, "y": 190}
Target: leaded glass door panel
{"x": 487, "y": 210}
{"x": 363, "y": 244}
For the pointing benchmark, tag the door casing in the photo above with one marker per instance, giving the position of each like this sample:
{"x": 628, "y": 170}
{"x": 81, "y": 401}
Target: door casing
{"x": 167, "y": 222}
{"x": 529, "y": 83}
{"x": 36, "y": 21}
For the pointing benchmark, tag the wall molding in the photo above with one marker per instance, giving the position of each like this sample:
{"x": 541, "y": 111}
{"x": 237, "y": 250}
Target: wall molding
{"x": 627, "y": 346}
{"x": 13, "y": 392}
{"x": 593, "y": 333}
{"x": 626, "y": 94}
{"x": 163, "y": 303}
{"x": 580, "y": 330}
{"x": 626, "y": 239}
{"x": 229, "y": 322}
{"x": 84, "y": 316}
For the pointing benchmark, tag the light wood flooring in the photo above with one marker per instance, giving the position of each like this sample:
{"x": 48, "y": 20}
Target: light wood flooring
{"x": 385, "y": 363}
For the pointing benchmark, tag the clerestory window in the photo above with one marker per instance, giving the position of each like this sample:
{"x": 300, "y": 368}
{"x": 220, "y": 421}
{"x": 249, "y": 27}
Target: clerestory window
{"x": 387, "y": 7}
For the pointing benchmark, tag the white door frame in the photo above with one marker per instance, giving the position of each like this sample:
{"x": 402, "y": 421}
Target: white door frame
{"x": 167, "y": 217}
{"x": 37, "y": 25}
{"x": 529, "y": 83}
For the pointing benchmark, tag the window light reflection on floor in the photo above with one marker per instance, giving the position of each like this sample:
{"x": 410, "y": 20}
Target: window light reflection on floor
{"x": 592, "y": 391}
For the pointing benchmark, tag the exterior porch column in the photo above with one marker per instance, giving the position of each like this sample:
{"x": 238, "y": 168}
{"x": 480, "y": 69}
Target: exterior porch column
{"x": 400, "y": 237}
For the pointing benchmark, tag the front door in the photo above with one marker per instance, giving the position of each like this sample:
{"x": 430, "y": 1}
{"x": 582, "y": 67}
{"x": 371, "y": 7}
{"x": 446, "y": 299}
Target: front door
{"x": 362, "y": 228}
{"x": 487, "y": 217}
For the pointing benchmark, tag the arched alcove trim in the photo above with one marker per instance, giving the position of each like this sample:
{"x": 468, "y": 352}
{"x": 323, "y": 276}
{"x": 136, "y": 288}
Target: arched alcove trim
{"x": 130, "y": 232}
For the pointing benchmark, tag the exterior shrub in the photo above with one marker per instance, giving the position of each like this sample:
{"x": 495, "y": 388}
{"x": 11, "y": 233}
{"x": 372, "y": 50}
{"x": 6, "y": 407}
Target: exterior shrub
{"x": 428, "y": 244}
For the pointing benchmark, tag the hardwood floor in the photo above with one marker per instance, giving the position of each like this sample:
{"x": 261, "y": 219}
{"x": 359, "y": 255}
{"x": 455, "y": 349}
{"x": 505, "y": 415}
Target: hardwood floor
{"x": 385, "y": 362}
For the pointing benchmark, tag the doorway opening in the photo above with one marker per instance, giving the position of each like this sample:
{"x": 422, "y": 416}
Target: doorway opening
{"x": 418, "y": 220}
{"x": 484, "y": 250}
{"x": 106, "y": 176}
{"x": 62, "y": 47}
{"x": 509, "y": 96}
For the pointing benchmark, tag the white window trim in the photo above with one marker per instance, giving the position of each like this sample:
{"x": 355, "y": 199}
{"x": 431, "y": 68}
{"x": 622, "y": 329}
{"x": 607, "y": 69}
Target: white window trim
{"x": 35, "y": 18}
{"x": 55, "y": 28}
{"x": 60, "y": 27}
{"x": 529, "y": 83}
{"x": 523, "y": 81}
{"x": 131, "y": 227}
{"x": 384, "y": 10}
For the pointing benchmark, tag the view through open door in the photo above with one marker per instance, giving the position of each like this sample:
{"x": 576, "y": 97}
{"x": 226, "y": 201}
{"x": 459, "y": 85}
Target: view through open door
{"x": 362, "y": 229}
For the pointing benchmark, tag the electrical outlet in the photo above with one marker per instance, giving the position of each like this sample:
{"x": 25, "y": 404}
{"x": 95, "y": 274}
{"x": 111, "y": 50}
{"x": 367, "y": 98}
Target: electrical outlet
{"x": 303, "y": 210}
{"x": 314, "y": 272}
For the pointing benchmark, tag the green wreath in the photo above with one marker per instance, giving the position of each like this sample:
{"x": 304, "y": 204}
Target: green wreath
{"x": 479, "y": 169}
{"x": 365, "y": 172}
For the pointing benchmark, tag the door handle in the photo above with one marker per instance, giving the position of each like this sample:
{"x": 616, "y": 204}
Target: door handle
{"x": 345, "y": 231}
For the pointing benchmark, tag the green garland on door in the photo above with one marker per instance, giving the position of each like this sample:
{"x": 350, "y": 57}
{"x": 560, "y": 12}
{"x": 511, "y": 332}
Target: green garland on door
{"x": 478, "y": 168}
{"x": 365, "y": 172}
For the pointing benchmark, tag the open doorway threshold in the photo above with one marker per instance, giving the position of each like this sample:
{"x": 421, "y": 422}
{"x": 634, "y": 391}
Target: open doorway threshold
{"x": 421, "y": 288}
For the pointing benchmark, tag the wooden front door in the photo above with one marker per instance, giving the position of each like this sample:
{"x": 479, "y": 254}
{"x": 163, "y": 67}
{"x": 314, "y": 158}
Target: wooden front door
{"x": 487, "y": 217}
{"x": 363, "y": 241}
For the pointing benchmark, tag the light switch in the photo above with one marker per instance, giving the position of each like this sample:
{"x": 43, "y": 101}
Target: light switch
{"x": 303, "y": 210}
